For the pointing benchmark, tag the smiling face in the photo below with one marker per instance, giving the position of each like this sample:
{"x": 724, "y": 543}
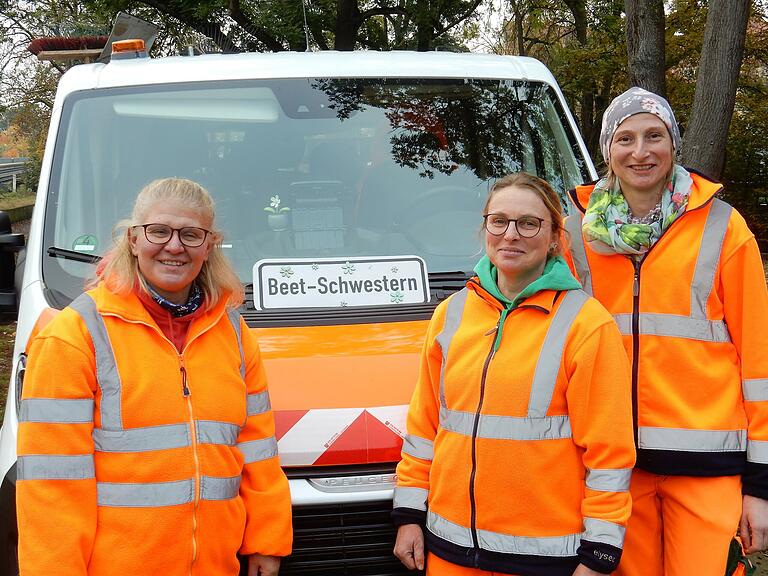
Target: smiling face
{"x": 641, "y": 154}
{"x": 170, "y": 268}
{"x": 519, "y": 260}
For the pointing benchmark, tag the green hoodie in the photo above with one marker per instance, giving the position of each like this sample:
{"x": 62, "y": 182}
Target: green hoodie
{"x": 556, "y": 276}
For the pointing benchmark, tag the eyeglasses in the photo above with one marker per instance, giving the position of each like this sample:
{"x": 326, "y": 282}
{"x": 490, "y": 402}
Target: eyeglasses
{"x": 190, "y": 236}
{"x": 526, "y": 226}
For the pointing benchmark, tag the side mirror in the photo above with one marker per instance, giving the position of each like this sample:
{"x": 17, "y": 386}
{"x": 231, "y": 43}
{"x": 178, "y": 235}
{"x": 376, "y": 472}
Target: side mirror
{"x": 10, "y": 243}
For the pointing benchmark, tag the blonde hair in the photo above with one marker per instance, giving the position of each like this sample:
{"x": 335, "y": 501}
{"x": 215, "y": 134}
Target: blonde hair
{"x": 547, "y": 195}
{"x": 119, "y": 269}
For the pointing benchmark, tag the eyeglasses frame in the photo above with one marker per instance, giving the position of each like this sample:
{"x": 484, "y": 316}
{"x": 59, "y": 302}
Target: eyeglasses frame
{"x": 485, "y": 221}
{"x": 177, "y": 231}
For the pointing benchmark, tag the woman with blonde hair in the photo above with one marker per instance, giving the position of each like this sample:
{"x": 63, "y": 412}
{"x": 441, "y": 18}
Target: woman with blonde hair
{"x": 519, "y": 448}
{"x": 146, "y": 439}
{"x": 216, "y": 278}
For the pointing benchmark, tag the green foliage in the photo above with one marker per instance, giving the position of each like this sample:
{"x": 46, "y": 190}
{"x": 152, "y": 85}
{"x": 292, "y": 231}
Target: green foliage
{"x": 582, "y": 42}
{"x": 272, "y": 25}
{"x": 27, "y": 86}
{"x": 593, "y": 69}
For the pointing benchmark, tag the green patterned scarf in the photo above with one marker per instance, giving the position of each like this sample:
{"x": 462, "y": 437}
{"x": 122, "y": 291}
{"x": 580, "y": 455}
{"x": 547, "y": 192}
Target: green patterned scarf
{"x": 606, "y": 222}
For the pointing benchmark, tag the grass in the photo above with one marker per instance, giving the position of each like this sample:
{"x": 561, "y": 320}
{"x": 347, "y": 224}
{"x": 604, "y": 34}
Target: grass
{"x": 7, "y": 336}
{"x": 10, "y": 200}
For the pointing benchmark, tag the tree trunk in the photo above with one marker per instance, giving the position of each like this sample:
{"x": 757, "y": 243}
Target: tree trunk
{"x": 589, "y": 131}
{"x": 423, "y": 26}
{"x": 645, "y": 44}
{"x": 517, "y": 17}
{"x": 721, "y": 54}
{"x": 347, "y": 24}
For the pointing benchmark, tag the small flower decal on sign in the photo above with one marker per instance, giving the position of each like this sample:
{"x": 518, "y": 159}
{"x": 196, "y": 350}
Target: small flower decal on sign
{"x": 348, "y": 268}
{"x": 396, "y": 297}
{"x": 286, "y": 271}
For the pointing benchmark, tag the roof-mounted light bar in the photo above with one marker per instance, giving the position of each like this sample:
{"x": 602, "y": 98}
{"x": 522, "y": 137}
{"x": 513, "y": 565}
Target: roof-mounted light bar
{"x": 127, "y": 49}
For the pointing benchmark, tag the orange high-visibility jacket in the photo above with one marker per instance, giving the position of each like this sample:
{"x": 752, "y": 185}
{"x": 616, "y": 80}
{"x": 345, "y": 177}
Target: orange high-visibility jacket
{"x": 693, "y": 311}
{"x": 134, "y": 458}
{"x": 519, "y": 461}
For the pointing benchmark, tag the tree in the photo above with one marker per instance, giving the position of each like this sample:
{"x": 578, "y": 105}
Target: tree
{"x": 591, "y": 69}
{"x": 645, "y": 44}
{"x": 581, "y": 41}
{"x": 275, "y": 25}
{"x": 705, "y": 139}
{"x": 27, "y": 86}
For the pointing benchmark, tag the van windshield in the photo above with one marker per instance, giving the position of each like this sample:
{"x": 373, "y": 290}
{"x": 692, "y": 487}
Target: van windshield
{"x": 306, "y": 168}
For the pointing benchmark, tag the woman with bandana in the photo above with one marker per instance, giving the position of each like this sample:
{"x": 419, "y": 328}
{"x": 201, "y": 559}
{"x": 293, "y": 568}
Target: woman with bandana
{"x": 146, "y": 440}
{"x": 682, "y": 275}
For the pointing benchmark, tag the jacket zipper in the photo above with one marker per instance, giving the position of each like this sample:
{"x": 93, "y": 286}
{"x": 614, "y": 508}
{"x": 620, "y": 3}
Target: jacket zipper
{"x": 186, "y": 392}
{"x": 637, "y": 265}
{"x": 475, "y": 426}
{"x": 187, "y": 395}
{"x": 635, "y": 341}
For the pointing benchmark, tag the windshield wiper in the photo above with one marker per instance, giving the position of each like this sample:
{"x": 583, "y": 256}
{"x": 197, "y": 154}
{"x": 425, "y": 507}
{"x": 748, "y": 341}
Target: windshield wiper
{"x": 57, "y": 252}
{"x": 443, "y": 284}
{"x": 441, "y": 279}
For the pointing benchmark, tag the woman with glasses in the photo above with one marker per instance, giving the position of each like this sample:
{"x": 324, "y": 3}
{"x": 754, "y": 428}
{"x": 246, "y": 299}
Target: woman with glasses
{"x": 146, "y": 439}
{"x": 682, "y": 274}
{"x": 519, "y": 446}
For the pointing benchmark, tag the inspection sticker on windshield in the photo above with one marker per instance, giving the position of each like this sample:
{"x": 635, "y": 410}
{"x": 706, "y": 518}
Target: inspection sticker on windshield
{"x": 339, "y": 282}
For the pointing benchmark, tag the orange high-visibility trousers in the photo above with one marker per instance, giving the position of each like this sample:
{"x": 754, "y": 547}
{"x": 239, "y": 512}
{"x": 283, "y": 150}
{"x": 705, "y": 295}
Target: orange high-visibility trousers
{"x": 436, "y": 566}
{"x": 680, "y": 525}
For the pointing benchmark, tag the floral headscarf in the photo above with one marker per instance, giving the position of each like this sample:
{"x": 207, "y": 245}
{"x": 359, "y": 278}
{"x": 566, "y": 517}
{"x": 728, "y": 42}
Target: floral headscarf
{"x": 636, "y": 101}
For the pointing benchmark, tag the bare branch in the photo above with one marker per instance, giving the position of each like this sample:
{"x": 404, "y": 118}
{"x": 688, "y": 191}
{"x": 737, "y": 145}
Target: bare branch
{"x": 208, "y": 28}
{"x": 459, "y": 19}
{"x": 384, "y": 11}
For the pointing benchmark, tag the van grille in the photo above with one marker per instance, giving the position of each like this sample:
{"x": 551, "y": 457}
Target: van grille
{"x": 352, "y": 539}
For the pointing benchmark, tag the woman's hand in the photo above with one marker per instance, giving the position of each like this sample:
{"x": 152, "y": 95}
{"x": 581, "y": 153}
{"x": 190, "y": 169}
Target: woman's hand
{"x": 753, "y": 527}
{"x": 582, "y": 570}
{"x": 409, "y": 546}
{"x": 259, "y": 565}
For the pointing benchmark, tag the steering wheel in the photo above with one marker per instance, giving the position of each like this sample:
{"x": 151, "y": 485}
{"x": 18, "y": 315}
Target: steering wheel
{"x": 435, "y": 200}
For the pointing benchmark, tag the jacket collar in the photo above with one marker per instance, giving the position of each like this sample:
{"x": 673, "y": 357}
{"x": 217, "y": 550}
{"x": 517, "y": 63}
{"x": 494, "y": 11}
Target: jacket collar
{"x": 556, "y": 276}
{"x": 543, "y": 300}
{"x": 540, "y": 294}
{"x": 130, "y": 308}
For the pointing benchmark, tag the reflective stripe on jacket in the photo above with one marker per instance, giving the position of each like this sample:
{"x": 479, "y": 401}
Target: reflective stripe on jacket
{"x": 519, "y": 461}
{"x": 693, "y": 312}
{"x": 134, "y": 458}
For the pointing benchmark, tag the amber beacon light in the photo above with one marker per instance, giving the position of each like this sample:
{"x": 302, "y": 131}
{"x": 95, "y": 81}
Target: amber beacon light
{"x": 124, "y": 49}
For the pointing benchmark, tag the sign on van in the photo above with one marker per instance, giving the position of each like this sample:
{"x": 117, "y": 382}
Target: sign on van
{"x": 339, "y": 282}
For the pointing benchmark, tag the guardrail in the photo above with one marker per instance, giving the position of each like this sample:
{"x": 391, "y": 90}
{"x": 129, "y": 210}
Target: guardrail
{"x": 11, "y": 169}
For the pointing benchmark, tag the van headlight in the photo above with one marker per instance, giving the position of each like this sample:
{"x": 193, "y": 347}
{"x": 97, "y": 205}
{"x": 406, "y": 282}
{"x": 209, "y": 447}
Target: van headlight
{"x": 21, "y": 368}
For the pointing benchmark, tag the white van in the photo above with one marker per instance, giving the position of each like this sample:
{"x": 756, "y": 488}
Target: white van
{"x": 349, "y": 187}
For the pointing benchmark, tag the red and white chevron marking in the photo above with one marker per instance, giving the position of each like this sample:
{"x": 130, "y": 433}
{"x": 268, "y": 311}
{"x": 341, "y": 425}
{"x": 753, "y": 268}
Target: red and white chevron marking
{"x": 325, "y": 437}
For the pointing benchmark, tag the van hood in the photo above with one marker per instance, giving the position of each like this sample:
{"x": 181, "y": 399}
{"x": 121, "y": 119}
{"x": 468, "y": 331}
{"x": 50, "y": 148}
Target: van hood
{"x": 340, "y": 394}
